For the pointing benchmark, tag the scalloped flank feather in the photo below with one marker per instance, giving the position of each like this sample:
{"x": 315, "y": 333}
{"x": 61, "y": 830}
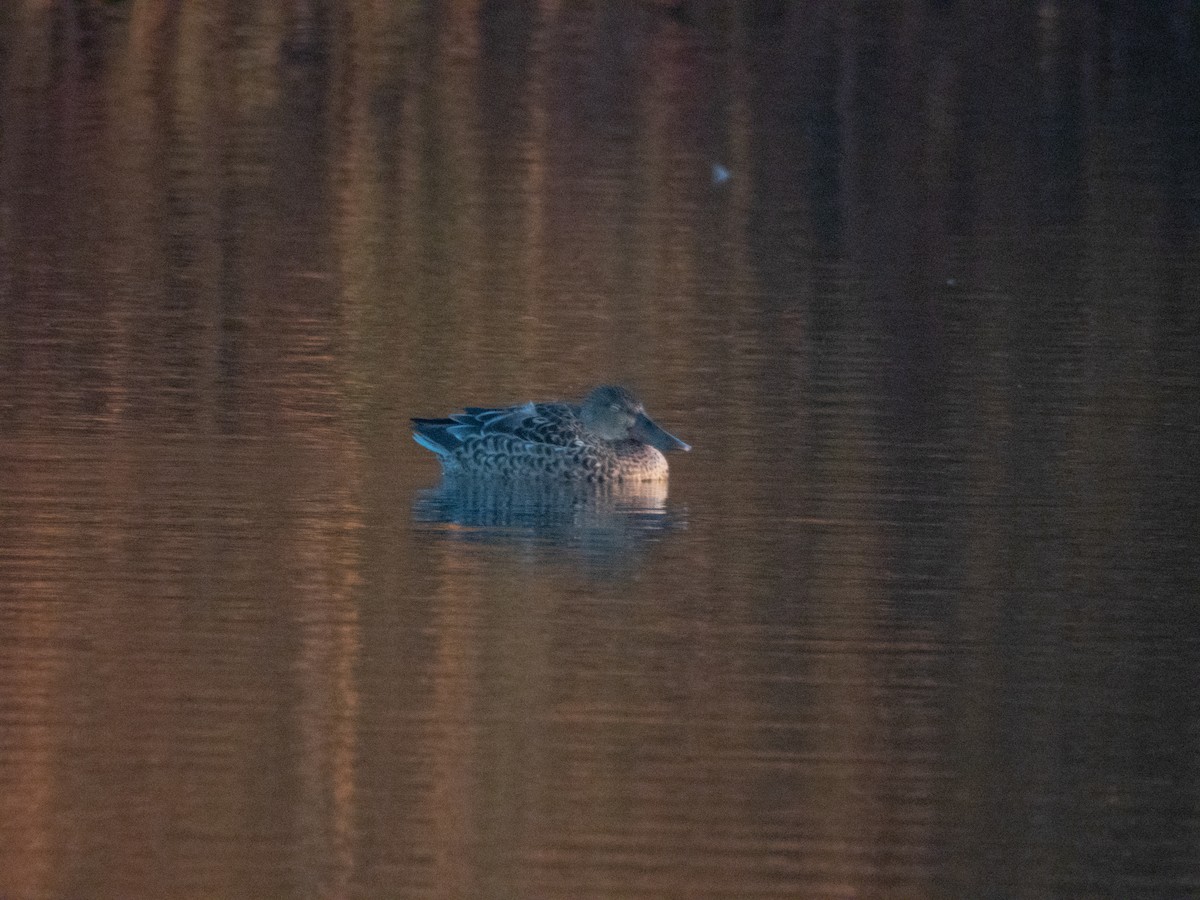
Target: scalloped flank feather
{"x": 608, "y": 437}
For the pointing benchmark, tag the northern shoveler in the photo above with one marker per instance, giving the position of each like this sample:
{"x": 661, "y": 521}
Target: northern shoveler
{"x": 607, "y": 438}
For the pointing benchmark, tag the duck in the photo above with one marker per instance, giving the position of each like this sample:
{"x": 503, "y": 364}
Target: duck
{"x": 606, "y": 438}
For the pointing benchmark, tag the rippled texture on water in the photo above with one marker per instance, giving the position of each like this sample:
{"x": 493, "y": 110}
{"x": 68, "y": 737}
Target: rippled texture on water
{"x": 917, "y": 617}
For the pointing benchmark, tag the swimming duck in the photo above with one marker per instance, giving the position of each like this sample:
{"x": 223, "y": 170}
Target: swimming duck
{"x": 608, "y": 437}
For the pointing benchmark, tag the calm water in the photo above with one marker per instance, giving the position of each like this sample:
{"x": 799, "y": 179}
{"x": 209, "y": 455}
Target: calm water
{"x": 917, "y": 618}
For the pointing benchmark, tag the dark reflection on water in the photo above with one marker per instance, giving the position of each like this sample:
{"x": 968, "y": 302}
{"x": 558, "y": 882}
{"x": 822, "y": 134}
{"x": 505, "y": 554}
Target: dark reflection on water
{"x": 606, "y": 528}
{"x": 919, "y": 615}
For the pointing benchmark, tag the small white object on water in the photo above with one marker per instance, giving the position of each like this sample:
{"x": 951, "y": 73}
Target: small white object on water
{"x": 720, "y": 174}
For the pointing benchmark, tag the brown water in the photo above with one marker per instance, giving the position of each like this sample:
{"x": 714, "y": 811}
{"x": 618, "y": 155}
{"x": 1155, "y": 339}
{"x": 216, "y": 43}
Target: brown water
{"x": 917, "y": 618}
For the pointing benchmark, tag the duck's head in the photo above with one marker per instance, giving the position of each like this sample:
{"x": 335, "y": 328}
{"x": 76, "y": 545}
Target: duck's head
{"x": 614, "y": 414}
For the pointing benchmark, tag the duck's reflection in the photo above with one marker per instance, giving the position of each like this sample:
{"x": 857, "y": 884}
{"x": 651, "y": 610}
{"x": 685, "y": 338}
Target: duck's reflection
{"x": 604, "y": 524}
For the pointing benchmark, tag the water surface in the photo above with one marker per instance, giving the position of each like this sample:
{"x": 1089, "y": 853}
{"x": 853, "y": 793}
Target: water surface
{"x": 916, "y": 618}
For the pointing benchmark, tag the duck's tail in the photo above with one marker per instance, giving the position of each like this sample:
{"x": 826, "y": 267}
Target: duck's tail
{"x": 435, "y": 435}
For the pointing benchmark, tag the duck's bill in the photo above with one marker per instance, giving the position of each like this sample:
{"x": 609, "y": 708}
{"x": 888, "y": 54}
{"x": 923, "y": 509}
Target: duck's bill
{"x": 645, "y": 430}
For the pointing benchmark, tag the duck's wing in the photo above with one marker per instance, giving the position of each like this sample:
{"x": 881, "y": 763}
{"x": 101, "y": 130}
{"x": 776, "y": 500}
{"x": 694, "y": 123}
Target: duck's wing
{"x": 553, "y": 424}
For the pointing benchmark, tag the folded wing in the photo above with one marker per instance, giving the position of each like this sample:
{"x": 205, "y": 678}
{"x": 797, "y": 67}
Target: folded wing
{"x": 554, "y": 424}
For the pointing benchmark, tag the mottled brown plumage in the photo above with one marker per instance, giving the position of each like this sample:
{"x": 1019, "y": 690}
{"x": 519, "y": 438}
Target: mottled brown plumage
{"x": 607, "y": 438}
